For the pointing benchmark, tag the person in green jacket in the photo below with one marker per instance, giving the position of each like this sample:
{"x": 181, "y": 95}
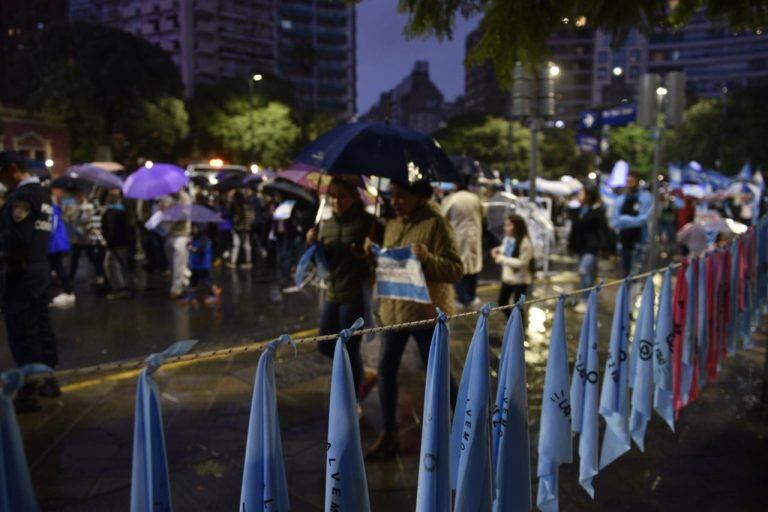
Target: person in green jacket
{"x": 342, "y": 238}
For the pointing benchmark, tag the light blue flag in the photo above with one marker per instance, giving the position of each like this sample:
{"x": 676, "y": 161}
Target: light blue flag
{"x": 734, "y": 298}
{"x": 16, "y": 490}
{"x": 614, "y": 396}
{"x": 150, "y": 485}
{"x": 264, "y": 486}
{"x": 689, "y": 335}
{"x": 555, "y": 444}
{"x": 663, "y": 398}
{"x": 585, "y": 395}
{"x": 511, "y": 446}
{"x": 346, "y": 487}
{"x": 642, "y": 352}
{"x": 471, "y": 432}
{"x": 702, "y": 319}
{"x": 434, "y": 490}
{"x": 314, "y": 253}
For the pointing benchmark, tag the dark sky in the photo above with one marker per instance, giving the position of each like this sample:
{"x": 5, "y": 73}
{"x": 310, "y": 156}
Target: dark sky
{"x": 384, "y": 56}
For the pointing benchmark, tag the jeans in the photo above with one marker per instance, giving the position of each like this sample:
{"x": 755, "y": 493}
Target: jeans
{"x": 466, "y": 289}
{"x": 177, "y": 254}
{"x": 587, "y": 272}
{"x": 56, "y": 262}
{"x": 392, "y": 347}
{"x": 632, "y": 260}
{"x": 30, "y": 334}
{"x": 201, "y": 278}
{"x": 116, "y": 266}
{"x": 335, "y": 317}
{"x": 95, "y": 256}
{"x": 285, "y": 250}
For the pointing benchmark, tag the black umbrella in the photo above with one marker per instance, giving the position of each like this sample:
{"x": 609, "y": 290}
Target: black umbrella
{"x": 379, "y": 149}
{"x": 291, "y": 190}
{"x": 69, "y": 183}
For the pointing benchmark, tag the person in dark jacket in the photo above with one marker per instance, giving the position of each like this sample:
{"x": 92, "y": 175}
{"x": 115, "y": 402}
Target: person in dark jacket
{"x": 590, "y": 236}
{"x": 200, "y": 261}
{"x": 342, "y": 238}
{"x": 118, "y": 236}
{"x": 25, "y": 228}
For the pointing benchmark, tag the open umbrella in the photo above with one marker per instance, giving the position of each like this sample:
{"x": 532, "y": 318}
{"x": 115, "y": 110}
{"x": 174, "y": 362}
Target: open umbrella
{"x": 191, "y": 213}
{"x": 155, "y": 181}
{"x": 95, "y": 175}
{"x": 109, "y": 166}
{"x": 379, "y": 149}
{"x": 290, "y": 190}
{"x": 69, "y": 183}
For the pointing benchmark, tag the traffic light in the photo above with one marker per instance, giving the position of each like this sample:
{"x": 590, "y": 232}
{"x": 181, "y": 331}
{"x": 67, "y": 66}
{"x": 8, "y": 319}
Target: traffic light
{"x": 674, "y": 102}
{"x": 647, "y": 100}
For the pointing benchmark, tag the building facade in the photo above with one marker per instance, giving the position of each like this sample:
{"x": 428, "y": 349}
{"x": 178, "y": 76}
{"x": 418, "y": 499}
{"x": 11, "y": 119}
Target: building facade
{"x": 36, "y": 137}
{"x": 482, "y": 92}
{"x": 207, "y": 39}
{"x": 618, "y": 69}
{"x": 572, "y": 51}
{"x": 415, "y": 102}
{"x": 714, "y": 59}
{"x": 317, "y": 52}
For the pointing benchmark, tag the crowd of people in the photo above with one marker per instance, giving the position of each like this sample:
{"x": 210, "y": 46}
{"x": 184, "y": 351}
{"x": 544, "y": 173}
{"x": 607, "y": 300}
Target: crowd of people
{"x": 44, "y": 228}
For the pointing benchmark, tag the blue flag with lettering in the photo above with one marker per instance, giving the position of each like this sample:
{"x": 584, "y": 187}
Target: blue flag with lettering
{"x": 150, "y": 486}
{"x": 264, "y": 485}
{"x": 316, "y": 254}
{"x": 16, "y": 490}
{"x": 434, "y": 490}
{"x": 471, "y": 433}
{"x": 701, "y": 336}
{"x": 663, "y": 398}
{"x": 585, "y": 395}
{"x": 614, "y": 396}
{"x": 555, "y": 444}
{"x": 642, "y": 354}
{"x": 511, "y": 446}
{"x": 346, "y": 487}
{"x": 399, "y": 275}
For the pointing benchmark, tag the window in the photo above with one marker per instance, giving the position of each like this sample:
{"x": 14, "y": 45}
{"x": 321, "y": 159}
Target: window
{"x": 602, "y": 73}
{"x": 634, "y": 55}
{"x": 602, "y": 57}
{"x": 634, "y": 72}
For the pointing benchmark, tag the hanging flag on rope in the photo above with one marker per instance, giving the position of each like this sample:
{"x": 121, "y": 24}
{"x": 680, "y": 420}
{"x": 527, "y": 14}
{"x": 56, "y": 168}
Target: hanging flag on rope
{"x": 702, "y": 316}
{"x": 511, "y": 446}
{"x": 679, "y": 309}
{"x": 346, "y": 487}
{"x": 614, "y": 396}
{"x": 316, "y": 254}
{"x": 642, "y": 354}
{"x": 690, "y": 382}
{"x": 150, "y": 486}
{"x": 264, "y": 485}
{"x": 399, "y": 275}
{"x": 555, "y": 445}
{"x": 16, "y": 490}
{"x": 663, "y": 402}
{"x": 709, "y": 367}
{"x": 434, "y": 490}
{"x": 471, "y": 474}
{"x": 585, "y": 395}
{"x": 733, "y": 303}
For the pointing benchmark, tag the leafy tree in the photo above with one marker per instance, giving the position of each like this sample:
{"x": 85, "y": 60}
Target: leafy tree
{"x": 699, "y": 135}
{"x": 517, "y": 30}
{"x": 557, "y": 149}
{"x": 632, "y": 143}
{"x": 94, "y": 77}
{"x": 158, "y": 129}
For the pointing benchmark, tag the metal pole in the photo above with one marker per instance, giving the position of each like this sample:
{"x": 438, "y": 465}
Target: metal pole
{"x": 532, "y": 170}
{"x": 251, "y": 120}
{"x": 654, "y": 225}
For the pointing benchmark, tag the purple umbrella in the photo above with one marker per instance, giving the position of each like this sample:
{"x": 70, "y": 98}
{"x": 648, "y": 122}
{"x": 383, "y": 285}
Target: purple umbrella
{"x": 155, "y": 180}
{"x": 95, "y": 175}
{"x": 192, "y": 213}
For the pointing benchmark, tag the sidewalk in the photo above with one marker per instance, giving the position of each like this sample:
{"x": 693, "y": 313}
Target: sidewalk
{"x": 79, "y": 447}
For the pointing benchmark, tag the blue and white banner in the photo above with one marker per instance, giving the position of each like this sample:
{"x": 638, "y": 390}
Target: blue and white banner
{"x": 399, "y": 275}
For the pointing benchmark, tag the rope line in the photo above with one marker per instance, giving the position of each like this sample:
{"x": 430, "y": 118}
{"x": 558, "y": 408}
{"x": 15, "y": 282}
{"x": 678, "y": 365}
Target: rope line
{"x": 136, "y": 364}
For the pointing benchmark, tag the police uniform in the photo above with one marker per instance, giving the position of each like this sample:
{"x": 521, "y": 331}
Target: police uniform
{"x": 25, "y": 228}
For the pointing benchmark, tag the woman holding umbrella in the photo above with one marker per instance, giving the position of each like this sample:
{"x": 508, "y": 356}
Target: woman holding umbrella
{"x": 342, "y": 238}
{"x": 418, "y": 223}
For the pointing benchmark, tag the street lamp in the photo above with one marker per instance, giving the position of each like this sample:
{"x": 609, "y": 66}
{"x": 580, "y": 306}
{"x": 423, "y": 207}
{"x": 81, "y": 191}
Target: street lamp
{"x": 49, "y": 163}
{"x": 554, "y": 70}
{"x": 255, "y": 78}
{"x": 661, "y": 92}
{"x": 148, "y": 164}
{"x": 617, "y": 71}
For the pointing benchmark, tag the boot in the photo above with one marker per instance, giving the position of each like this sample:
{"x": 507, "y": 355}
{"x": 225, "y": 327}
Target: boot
{"x": 387, "y": 446}
{"x": 26, "y": 399}
{"x": 49, "y": 388}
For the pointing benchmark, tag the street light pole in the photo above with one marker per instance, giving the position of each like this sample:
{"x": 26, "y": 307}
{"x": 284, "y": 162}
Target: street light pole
{"x": 254, "y": 79}
{"x": 533, "y": 160}
{"x": 653, "y": 229}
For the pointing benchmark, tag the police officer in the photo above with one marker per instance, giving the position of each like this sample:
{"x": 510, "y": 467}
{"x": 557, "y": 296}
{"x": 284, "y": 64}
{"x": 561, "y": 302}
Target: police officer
{"x": 25, "y": 227}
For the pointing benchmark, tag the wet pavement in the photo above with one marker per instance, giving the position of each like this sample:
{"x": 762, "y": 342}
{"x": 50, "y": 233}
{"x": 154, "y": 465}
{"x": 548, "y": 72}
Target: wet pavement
{"x": 79, "y": 446}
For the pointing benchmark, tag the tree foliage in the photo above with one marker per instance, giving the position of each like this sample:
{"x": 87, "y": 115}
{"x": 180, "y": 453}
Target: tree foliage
{"x": 558, "y": 151}
{"x": 517, "y": 30}
{"x": 95, "y": 77}
{"x": 632, "y": 143}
